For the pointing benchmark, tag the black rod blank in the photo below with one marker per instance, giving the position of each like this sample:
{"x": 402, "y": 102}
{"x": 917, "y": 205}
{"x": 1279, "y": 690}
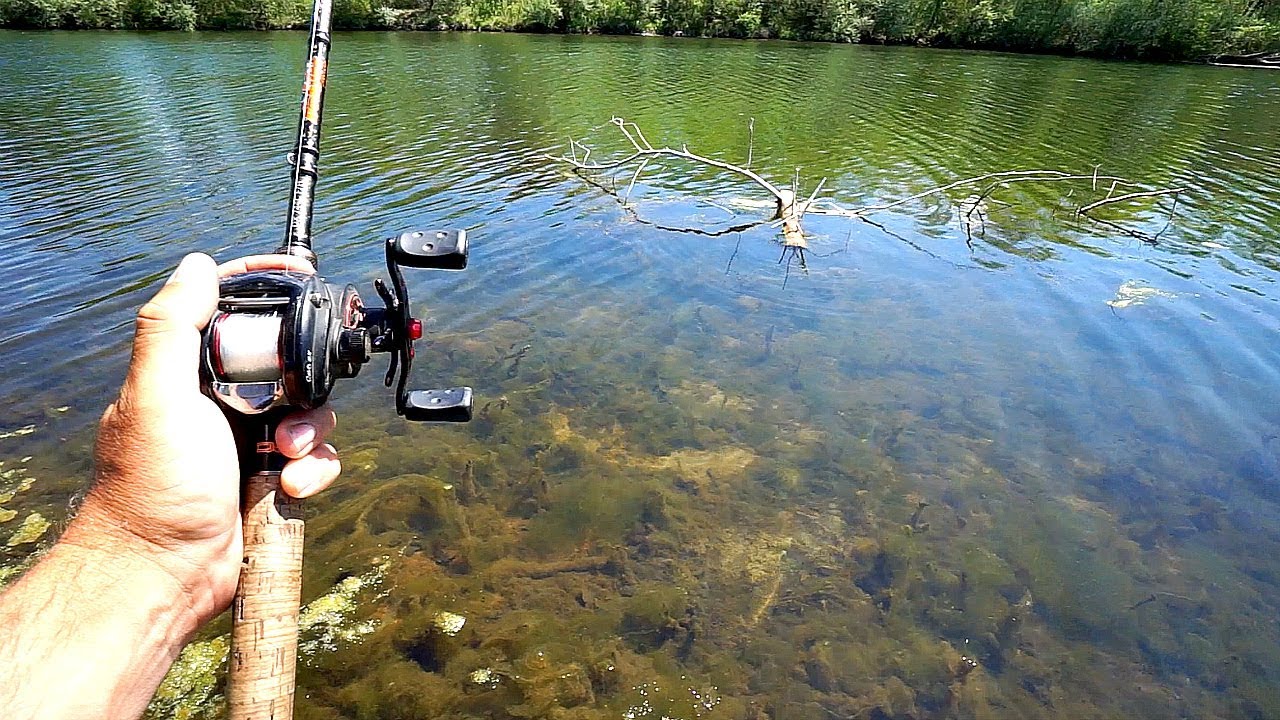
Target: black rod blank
{"x": 306, "y": 155}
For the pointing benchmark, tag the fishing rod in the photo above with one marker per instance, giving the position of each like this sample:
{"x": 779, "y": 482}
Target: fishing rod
{"x": 278, "y": 343}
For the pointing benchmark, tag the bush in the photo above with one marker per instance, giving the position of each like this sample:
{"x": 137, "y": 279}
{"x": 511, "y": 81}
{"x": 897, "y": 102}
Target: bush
{"x": 1155, "y": 29}
{"x": 621, "y": 17}
{"x": 356, "y": 14}
{"x": 532, "y": 15}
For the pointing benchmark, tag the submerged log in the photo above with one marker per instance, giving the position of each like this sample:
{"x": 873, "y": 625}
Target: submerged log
{"x": 1266, "y": 59}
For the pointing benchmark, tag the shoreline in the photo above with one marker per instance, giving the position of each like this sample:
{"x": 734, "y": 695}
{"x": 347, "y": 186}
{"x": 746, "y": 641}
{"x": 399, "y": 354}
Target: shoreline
{"x": 1213, "y": 61}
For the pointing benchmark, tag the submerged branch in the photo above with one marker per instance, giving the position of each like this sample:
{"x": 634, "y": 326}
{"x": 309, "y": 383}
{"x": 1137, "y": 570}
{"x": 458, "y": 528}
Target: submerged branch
{"x": 1125, "y": 198}
{"x": 789, "y": 210}
{"x": 643, "y": 149}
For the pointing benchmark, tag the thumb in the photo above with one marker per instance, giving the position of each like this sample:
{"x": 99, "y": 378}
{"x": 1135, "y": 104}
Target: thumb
{"x": 166, "y": 341}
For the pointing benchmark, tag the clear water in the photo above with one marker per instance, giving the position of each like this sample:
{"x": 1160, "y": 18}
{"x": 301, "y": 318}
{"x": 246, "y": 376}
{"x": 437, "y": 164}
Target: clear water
{"x": 1035, "y": 478}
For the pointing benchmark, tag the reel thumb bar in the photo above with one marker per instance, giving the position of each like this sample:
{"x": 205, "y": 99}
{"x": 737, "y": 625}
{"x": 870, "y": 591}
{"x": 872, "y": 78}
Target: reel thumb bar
{"x": 264, "y": 633}
{"x": 306, "y": 154}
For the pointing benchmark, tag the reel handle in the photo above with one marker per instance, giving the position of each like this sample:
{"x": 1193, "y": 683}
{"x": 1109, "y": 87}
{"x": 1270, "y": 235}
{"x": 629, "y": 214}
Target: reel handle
{"x": 264, "y": 630}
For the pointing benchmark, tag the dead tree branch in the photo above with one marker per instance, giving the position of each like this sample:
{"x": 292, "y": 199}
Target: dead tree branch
{"x": 786, "y": 210}
{"x": 1109, "y": 200}
{"x": 789, "y": 210}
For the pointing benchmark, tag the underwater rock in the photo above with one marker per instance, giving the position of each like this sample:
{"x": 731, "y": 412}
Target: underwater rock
{"x": 448, "y": 623}
{"x": 753, "y": 568}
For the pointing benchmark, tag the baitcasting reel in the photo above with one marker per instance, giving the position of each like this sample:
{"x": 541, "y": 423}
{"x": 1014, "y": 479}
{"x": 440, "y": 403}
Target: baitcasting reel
{"x": 281, "y": 339}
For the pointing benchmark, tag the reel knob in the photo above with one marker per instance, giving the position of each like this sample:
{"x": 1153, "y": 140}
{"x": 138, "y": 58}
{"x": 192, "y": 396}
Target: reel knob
{"x": 354, "y": 346}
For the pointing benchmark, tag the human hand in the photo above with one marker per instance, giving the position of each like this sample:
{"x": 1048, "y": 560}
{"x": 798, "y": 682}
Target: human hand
{"x": 167, "y": 477}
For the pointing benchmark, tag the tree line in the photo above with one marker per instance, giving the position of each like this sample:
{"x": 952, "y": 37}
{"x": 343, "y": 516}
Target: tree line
{"x": 1148, "y": 29}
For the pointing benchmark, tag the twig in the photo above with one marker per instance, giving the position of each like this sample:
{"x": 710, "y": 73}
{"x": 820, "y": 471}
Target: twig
{"x": 639, "y": 169}
{"x": 718, "y": 206}
{"x": 740, "y": 227}
{"x": 1124, "y": 198}
{"x": 1158, "y": 595}
{"x": 736, "y": 246}
{"x": 815, "y": 192}
{"x": 1005, "y": 176}
{"x": 644, "y": 149}
{"x": 1172, "y": 211}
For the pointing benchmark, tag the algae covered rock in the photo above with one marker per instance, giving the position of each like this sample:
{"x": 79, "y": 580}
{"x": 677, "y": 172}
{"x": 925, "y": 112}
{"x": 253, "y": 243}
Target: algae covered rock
{"x": 653, "y": 616}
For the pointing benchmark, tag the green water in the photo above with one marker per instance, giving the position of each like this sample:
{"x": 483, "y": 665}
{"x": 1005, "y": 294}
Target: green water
{"x": 1032, "y": 478}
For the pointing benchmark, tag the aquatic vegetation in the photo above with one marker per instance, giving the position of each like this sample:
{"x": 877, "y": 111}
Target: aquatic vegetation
{"x": 10, "y": 572}
{"x": 325, "y": 622}
{"x": 33, "y": 528}
{"x": 634, "y": 538}
{"x": 19, "y": 432}
{"x": 192, "y": 688}
{"x": 888, "y": 590}
{"x": 14, "y": 481}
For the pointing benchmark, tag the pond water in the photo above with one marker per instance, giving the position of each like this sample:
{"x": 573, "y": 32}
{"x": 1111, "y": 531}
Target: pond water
{"x": 1031, "y": 478}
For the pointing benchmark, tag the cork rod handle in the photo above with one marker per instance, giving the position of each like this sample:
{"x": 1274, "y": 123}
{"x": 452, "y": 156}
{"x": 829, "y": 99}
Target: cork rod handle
{"x": 264, "y": 632}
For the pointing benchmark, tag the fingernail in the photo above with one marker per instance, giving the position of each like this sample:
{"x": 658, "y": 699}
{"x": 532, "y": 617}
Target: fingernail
{"x": 184, "y": 270}
{"x": 302, "y": 434}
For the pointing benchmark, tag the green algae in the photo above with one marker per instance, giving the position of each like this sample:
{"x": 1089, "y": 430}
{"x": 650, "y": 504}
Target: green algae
{"x": 9, "y": 573}
{"x": 194, "y": 687}
{"x": 326, "y": 622}
{"x": 33, "y": 528}
{"x": 18, "y": 432}
{"x": 191, "y": 688}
